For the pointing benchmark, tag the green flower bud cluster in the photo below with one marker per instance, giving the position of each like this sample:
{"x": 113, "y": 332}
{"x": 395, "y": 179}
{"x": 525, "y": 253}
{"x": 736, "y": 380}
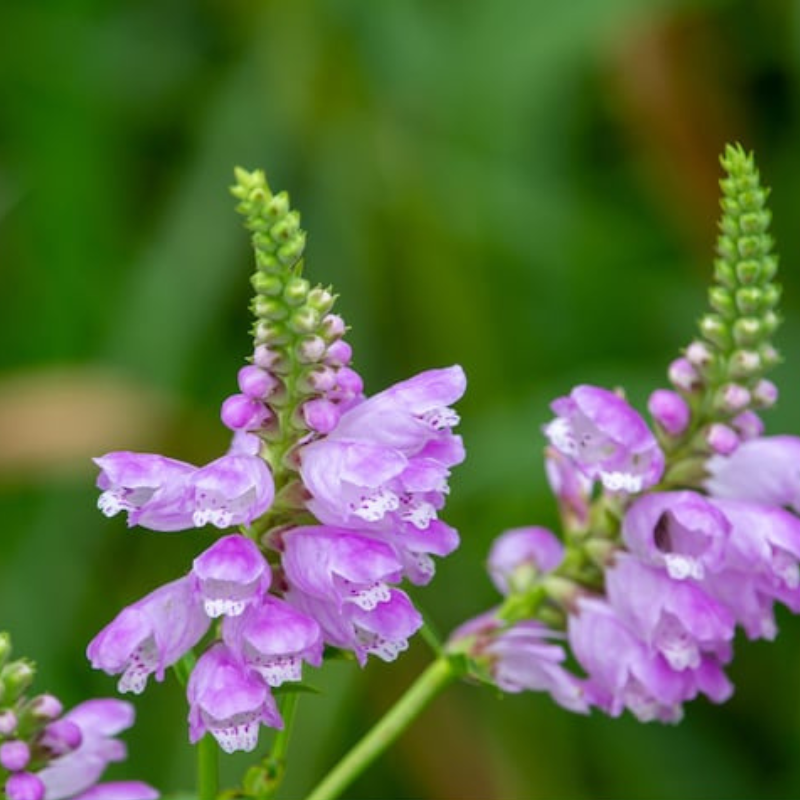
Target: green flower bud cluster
{"x": 22, "y": 718}
{"x": 294, "y": 328}
{"x": 739, "y": 329}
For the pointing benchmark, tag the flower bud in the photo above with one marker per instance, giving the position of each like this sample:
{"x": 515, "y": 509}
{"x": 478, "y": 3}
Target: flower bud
{"x": 744, "y": 364}
{"x": 305, "y": 320}
{"x": 269, "y": 308}
{"x": 669, "y": 410}
{"x": 765, "y": 394}
{"x": 333, "y": 326}
{"x": 699, "y": 354}
{"x": 311, "y": 349}
{"x": 296, "y": 290}
{"x": 520, "y": 556}
{"x": 716, "y": 331}
{"x": 24, "y": 786}
{"x": 348, "y": 383}
{"x": 270, "y": 285}
{"x": 321, "y": 300}
{"x": 15, "y": 678}
{"x": 682, "y": 375}
{"x": 722, "y": 439}
{"x": 731, "y": 398}
{"x": 339, "y": 353}
{"x": 45, "y": 707}
{"x": 748, "y": 425}
{"x": 320, "y": 415}
{"x": 15, "y": 755}
{"x": 747, "y": 331}
{"x": 8, "y": 723}
{"x": 256, "y": 382}
{"x": 240, "y": 412}
{"x": 61, "y": 737}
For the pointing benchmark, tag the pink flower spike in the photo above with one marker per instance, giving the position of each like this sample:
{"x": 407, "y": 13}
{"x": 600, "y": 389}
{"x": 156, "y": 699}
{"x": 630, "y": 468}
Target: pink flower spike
{"x": 229, "y": 701}
{"x": 231, "y": 575}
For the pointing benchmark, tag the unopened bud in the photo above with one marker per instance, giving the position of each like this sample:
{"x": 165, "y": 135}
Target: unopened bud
{"x": 15, "y": 678}
{"x": 744, "y": 364}
{"x": 321, "y": 299}
{"x": 765, "y": 394}
{"x": 747, "y": 331}
{"x": 682, "y": 375}
{"x": 305, "y": 320}
{"x": 339, "y": 353}
{"x": 24, "y": 786}
{"x": 311, "y": 349}
{"x": 256, "y": 382}
{"x": 731, "y": 398}
{"x": 748, "y": 425}
{"x": 296, "y": 290}
{"x": 669, "y": 410}
{"x": 333, "y": 326}
{"x": 722, "y": 439}
{"x": 321, "y": 415}
{"x": 14, "y": 756}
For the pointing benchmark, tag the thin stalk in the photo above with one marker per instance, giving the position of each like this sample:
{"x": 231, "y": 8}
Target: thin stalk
{"x": 440, "y": 674}
{"x": 207, "y": 768}
{"x": 276, "y": 761}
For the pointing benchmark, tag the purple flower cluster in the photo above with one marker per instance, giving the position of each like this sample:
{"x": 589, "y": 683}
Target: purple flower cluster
{"x": 373, "y": 476}
{"x": 51, "y": 756}
{"x": 688, "y": 568}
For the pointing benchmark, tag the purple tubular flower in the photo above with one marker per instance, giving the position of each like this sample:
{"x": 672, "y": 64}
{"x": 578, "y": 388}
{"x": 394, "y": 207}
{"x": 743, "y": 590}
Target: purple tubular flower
{"x": 680, "y": 531}
{"x": 229, "y": 701}
{"x": 525, "y": 658}
{"x": 119, "y": 790}
{"x": 521, "y": 553}
{"x": 761, "y": 564}
{"x": 150, "y": 635}
{"x": 674, "y": 618}
{"x": 274, "y": 638}
{"x": 231, "y": 574}
{"x": 78, "y": 771}
{"x": 570, "y": 486}
{"x": 151, "y": 488}
{"x": 764, "y": 470}
{"x": 339, "y": 566}
{"x": 388, "y": 459}
{"x": 624, "y": 674}
{"x": 414, "y": 547}
{"x": 382, "y": 631}
{"x": 606, "y": 438}
{"x": 233, "y": 490}
{"x": 167, "y": 495}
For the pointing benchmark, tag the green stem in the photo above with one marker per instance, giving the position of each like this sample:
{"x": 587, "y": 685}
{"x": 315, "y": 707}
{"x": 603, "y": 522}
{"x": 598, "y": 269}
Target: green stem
{"x": 276, "y": 761}
{"x": 207, "y": 768}
{"x": 435, "y": 678}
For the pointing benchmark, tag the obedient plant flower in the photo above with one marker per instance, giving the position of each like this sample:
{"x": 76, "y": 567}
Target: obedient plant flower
{"x": 387, "y": 461}
{"x": 150, "y": 635}
{"x": 336, "y": 498}
{"x": 691, "y": 532}
{"x": 606, "y": 438}
{"x": 48, "y": 755}
{"x": 167, "y": 495}
{"x": 274, "y": 638}
{"x": 229, "y": 700}
{"x": 764, "y": 469}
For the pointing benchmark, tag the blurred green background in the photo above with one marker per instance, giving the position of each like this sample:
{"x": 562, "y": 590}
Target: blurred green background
{"x": 524, "y": 187}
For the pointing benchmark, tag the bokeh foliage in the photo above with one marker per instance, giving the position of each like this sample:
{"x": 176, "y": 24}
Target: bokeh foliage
{"x": 523, "y": 187}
